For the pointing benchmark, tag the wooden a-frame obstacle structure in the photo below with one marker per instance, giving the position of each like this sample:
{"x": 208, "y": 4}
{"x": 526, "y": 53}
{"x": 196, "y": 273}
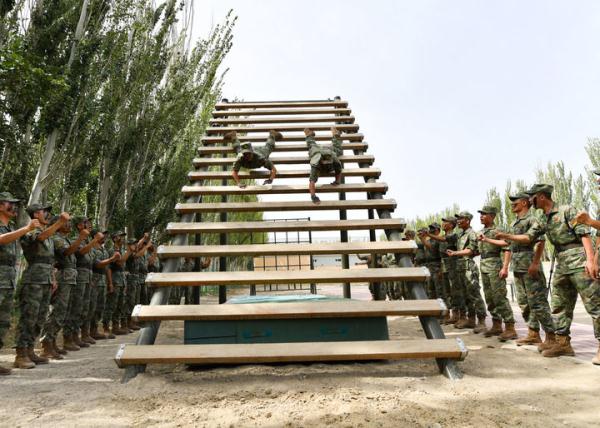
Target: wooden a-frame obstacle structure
{"x": 289, "y": 117}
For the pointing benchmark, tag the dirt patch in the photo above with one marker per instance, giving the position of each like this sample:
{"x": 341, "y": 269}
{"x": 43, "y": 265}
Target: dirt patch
{"x": 503, "y": 386}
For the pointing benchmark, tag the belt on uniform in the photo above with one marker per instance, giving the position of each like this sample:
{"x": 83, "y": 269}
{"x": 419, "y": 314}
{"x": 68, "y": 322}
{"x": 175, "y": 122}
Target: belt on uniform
{"x": 561, "y": 248}
{"x": 521, "y": 250}
{"x": 490, "y": 255}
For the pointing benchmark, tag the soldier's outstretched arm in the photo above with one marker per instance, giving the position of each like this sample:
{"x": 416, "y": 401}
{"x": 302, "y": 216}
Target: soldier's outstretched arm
{"x": 52, "y": 229}
{"x": 75, "y": 245}
{"x": 519, "y": 239}
{"x": 106, "y": 262}
{"x": 496, "y": 242}
{"x": 86, "y": 249}
{"x": 584, "y": 218}
{"x": 7, "y": 238}
{"x": 438, "y": 238}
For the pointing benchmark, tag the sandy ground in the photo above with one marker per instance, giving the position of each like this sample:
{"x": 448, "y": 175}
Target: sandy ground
{"x": 503, "y": 386}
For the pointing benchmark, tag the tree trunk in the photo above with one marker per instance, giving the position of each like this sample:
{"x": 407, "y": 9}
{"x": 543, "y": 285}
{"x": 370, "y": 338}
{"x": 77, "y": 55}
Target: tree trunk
{"x": 105, "y": 184}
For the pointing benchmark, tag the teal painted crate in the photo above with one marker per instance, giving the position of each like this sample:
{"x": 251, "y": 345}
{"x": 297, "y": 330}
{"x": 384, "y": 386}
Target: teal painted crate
{"x": 285, "y": 330}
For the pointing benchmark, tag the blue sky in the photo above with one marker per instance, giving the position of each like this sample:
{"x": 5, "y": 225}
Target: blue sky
{"x": 454, "y": 97}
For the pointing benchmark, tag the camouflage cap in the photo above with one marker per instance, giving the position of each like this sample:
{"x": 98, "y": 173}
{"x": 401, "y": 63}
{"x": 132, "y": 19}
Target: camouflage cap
{"x": 423, "y": 230}
{"x": 7, "y": 197}
{"x": 78, "y": 219}
{"x": 119, "y": 233}
{"x": 435, "y": 225}
{"x": 247, "y": 148}
{"x": 517, "y": 196}
{"x": 488, "y": 209}
{"x": 132, "y": 241}
{"x": 449, "y": 220}
{"x": 37, "y": 207}
{"x": 541, "y": 188}
{"x": 464, "y": 214}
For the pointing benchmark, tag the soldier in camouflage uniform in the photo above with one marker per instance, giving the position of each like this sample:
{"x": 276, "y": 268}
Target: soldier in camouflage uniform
{"x": 576, "y": 270}
{"x": 8, "y": 260}
{"x": 135, "y": 277}
{"x": 188, "y": 266}
{"x": 468, "y": 276}
{"x": 37, "y": 284}
{"x": 66, "y": 277}
{"x": 323, "y": 160}
{"x": 100, "y": 261}
{"x": 378, "y": 290}
{"x": 434, "y": 262}
{"x": 114, "y": 301}
{"x": 80, "y": 294}
{"x": 153, "y": 266}
{"x": 249, "y": 158}
{"x": 448, "y": 242}
{"x": 494, "y": 283}
{"x": 530, "y": 281}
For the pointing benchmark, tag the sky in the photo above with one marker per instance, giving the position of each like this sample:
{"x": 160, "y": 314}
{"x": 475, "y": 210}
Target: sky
{"x": 453, "y": 97}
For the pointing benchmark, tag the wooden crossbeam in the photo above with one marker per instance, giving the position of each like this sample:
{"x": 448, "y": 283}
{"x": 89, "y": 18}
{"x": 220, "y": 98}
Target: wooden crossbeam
{"x": 219, "y": 130}
{"x": 257, "y": 174}
{"x": 279, "y": 119}
{"x": 283, "y": 226}
{"x": 291, "y": 352}
{"x": 286, "y": 138}
{"x": 291, "y": 310}
{"x": 273, "y": 112}
{"x": 286, "y": 277}
{"x": 283, "y": 160}
{"x": 385, "y": 204}
{"x": 279, "y": 104}
{"x": 283, "y": 189}
{"x": 211, "y": 150}
{"x": 168, "y": 251}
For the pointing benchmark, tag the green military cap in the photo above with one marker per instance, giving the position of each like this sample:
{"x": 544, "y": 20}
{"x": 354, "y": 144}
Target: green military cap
{"x": 7, "y": 197}
{"x": 78, "y": 219}
{"x": 37, "y": 207}
{"x": 449, "y": 219}
{"x": 541, "y": 188}
{"x": 435, "y": 225}
{"x": 247, "y": 148}
{"x": 517, "y": 196}
{"x": 131, "y": 241}
{"x": 119, "y": 233}
{"x": 464, "y": 214}
{"x": 488, "y": 209}
{"x": 423, "y": 230}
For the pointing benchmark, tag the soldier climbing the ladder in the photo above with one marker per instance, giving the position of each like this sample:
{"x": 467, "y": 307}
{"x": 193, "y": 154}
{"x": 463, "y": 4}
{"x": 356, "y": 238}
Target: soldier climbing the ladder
{"x": 249, "y": 158}
{"x": 323, "y": 160}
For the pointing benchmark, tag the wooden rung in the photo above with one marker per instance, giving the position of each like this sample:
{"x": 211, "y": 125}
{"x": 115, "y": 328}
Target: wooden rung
{"x": 283, "y": 226}
{"x": 235, "y": 207}
{"x": 283, "y": 160}
{"x": 291, "y": 352}
{"x": 211, "y": 150}
{"x": 287, "y": 277}
{"x": 404, "y": 247}
{"x": 279, "y": 119}
{"x": 262, "y": 173}
{"x": 266, "y": 112}
{"x": 212, "y": 130}
{"x": 283, "y": 189}
{"x": 293, "y": 310}
{"x": 286, "y": 138}
{"x": 279, "y": 104}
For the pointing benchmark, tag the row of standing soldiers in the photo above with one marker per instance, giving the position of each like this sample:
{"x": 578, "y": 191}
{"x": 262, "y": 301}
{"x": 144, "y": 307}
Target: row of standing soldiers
{"x": 455, "y": 277}
{"x": 72, "y": 282}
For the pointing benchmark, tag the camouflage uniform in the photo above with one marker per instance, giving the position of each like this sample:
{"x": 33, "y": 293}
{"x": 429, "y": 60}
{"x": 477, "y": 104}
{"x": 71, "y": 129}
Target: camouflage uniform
{"x": 448, "y": 268}
{"x": 468, "y": 275}
{"x": 114, "y": 300}
{"x": 80, "y": 293}
{"x": 188, "y": 266}
{"x": 433, "y": 262}
{"x": 531, "y": 292}
{"x": 260, "y": 156}
{"x": 395, "y": 290}
{"x": 8, "y": 274}
{"x": 144, "y": 296}
{"x": 569, "y": 276}
{"x": 323, "y": 159}
{"x": 494, "y": 287}
{"x": 134, "y": 284}
{"x": 66, "y": 277}
{"x": 97, "y": 287}
{"x": 34, "y": 295}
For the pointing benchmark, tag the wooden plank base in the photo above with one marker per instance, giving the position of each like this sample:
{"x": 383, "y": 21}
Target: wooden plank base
{"x": 291, "y": 352}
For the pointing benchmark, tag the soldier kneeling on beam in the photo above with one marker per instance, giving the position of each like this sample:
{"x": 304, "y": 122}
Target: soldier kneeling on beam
{"x": 323, "y": 160}
{"x": 250, "y": 158}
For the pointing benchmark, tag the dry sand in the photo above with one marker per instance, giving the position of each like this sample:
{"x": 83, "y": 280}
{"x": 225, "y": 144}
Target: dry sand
{"x": 503, "y": 386}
